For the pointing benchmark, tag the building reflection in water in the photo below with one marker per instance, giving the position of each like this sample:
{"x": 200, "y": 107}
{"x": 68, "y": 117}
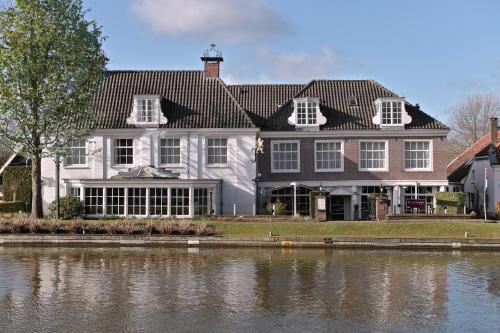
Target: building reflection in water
{"x": 122, "y": 289}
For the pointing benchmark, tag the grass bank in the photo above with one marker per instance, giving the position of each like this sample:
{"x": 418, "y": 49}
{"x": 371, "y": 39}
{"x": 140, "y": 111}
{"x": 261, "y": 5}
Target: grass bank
{"x": 431, "y": 229}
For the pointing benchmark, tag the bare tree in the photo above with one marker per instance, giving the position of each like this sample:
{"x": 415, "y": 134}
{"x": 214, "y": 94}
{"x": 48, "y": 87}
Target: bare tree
{"x": 469, "y": 121}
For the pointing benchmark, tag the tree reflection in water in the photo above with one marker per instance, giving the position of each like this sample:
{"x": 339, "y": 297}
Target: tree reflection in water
{"x": 156, "y": 289}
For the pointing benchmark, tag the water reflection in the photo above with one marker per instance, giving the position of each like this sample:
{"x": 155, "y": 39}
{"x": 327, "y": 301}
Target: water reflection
{"x": 140, "y": 289}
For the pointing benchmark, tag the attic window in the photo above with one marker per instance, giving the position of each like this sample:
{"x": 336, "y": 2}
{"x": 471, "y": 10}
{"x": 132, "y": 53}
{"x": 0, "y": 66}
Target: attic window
{"x": 306, "y": 114}
{"x": 146, "y": 111}
{"x": 353, "y": 101}
{"x": 391, "y": 113}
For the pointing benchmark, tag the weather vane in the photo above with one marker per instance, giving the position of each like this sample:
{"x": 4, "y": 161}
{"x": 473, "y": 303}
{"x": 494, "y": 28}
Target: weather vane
{"x": 212, "y": 49}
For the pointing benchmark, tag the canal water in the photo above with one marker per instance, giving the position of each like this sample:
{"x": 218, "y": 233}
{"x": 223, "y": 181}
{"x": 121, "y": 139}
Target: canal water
{"x": 246, "y": 290}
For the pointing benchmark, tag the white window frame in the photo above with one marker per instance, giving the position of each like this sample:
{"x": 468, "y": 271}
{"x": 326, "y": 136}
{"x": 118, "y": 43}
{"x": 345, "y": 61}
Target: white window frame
{"x": 308, "y": 114}
{"x": 173, "y": 165}
{"x": 113, "y": 152}
{"x": 273, "y": 170}
{"x": 431, "y": 153}
{"x": 78, "y": 166}
{"x": 341, "y": 169}
{"x": 386, "y": 160}
{"x": 391, "y": 123}
{"x": 216, "y": 165}
{"x": 154, "y": 109}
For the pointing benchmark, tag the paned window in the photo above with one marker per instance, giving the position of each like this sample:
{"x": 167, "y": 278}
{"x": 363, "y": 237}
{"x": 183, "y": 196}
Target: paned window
{"x": 77, "y": 153}
{"x": 170, "y": 151}
{"x": 93, "y": 200}
{"x": 372, "y": 155}
{"x": 328, "y": 155}
{"x": 306, "y": 113}
{"x": 216, "y": 151}
{"x": 201, "y": 201}
{"x": 123, "y": 151}
{"x": 158, "y": 201}
{"x": 285, "y": 156}
{"x": 179, "y": 202}
{"x": 417, "y": 155}
{"x": 115, "y": 201}
{"x": 391, "y": 113}
{"x": 136, "y": 201}
{"x": 145, "y": 110}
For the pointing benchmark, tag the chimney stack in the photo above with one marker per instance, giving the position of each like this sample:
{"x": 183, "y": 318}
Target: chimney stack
{"x": 212, "y": 58}
{"x": 493, "y": 131}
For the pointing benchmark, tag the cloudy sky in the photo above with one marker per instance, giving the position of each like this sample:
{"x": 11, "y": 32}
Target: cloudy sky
{"x": 432, "y": 52}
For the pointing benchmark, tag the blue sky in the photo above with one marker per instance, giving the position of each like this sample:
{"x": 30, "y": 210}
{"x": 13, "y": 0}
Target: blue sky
{"x": 432, "y": 52}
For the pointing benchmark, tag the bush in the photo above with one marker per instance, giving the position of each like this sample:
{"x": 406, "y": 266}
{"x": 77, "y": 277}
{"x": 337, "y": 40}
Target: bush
{"x": 12, "y": 206}
{"x": 454, "y": 201}
{"x": 279, "y": 208}
{"x": 17, "y": 183}
{"x": 71, "y": 207}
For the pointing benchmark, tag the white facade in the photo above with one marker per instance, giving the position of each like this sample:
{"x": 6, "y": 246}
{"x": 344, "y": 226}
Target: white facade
{"x": 235, "y": 195}
{"x": 475, "y": 182}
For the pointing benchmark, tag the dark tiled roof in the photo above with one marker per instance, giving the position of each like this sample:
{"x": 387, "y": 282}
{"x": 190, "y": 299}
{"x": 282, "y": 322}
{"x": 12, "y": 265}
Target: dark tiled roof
{"x": 263, "y": 101}
{"x": 189, "y": 99}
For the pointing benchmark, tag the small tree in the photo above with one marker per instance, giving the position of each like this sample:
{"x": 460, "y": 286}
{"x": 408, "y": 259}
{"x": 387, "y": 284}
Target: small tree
{"x": 469, "y": 121}
{"x": 51, "y": 64}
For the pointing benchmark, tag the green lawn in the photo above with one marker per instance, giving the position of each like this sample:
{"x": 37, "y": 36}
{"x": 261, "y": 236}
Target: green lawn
{"x": 417, "y": 229}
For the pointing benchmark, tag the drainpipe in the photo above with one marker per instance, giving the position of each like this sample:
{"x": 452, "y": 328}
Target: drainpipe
{"x": 294, "y": 184}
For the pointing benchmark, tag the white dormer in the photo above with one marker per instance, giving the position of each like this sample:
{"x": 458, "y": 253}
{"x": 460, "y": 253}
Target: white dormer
{"x": 306, "y": 114}
{"x": 391, "y": 112}
{"x": 146, "y": 111}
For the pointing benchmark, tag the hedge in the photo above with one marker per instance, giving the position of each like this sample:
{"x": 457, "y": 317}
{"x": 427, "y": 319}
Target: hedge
{"x": 454, "y": 201}
{"x": 17, "y": 179}
{"x": 12, "y": 206}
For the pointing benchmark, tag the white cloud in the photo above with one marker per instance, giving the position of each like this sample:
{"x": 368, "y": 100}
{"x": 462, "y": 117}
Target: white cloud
{"x": 298, "y": 66}
{"x": 216, "y": 20}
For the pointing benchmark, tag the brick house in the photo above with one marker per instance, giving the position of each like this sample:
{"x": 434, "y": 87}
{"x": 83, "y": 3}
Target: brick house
{"x": 181, "y": 143}
{"x": 351, "y": 137}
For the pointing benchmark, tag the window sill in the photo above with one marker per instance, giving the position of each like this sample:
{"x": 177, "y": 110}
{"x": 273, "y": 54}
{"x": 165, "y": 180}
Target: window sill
{"x": 373, "y": 170}
{"x": 174, "y": 166}
{"x": 80, "y": 166}
{"x": 418, "y": 170}
{"x": 328, "y": 170}
{"x": 217, "y": 166}
{"x": 122, "y": 166}
{"x": 285, "y": 171}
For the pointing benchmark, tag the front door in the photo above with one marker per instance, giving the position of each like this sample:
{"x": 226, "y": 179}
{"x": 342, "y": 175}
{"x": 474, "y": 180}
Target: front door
{"x": 336, "y": 208}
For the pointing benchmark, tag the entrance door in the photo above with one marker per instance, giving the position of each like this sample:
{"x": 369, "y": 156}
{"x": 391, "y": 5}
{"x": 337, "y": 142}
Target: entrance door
{"x": 336, "y": 208}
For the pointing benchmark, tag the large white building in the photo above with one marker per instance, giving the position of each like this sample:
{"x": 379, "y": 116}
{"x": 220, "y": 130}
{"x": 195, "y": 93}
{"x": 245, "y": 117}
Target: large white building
{"x": 182, "y": 143}
{"x": 168, "y": 143}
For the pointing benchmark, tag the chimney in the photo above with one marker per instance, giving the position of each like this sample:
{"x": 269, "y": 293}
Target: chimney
{"x": 212, "y": 58}
{"x": 493, "y": 131}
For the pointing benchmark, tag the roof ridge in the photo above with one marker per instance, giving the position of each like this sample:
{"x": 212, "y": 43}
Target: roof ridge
{"x": 226, "y": 89}
{"x": 382, "y": 87}
{"x": 154, "y": 70}
{"x": 266, "y": 84}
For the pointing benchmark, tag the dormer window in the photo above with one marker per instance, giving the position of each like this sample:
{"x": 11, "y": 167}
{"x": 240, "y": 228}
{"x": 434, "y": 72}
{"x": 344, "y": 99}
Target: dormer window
{"x": 353, "y": 101}
{"x": 306, "y": 114}
{"x": 146, "y": 111}
{"x": 390, "y": 112}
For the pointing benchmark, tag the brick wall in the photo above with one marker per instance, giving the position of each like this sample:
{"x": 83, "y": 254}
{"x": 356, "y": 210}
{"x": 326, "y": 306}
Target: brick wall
{"x": 351, "y": 155}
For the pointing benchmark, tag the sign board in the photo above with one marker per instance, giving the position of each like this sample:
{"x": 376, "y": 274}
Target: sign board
{"x": 416, "y": 203}
{"x": 321, "y": 203}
